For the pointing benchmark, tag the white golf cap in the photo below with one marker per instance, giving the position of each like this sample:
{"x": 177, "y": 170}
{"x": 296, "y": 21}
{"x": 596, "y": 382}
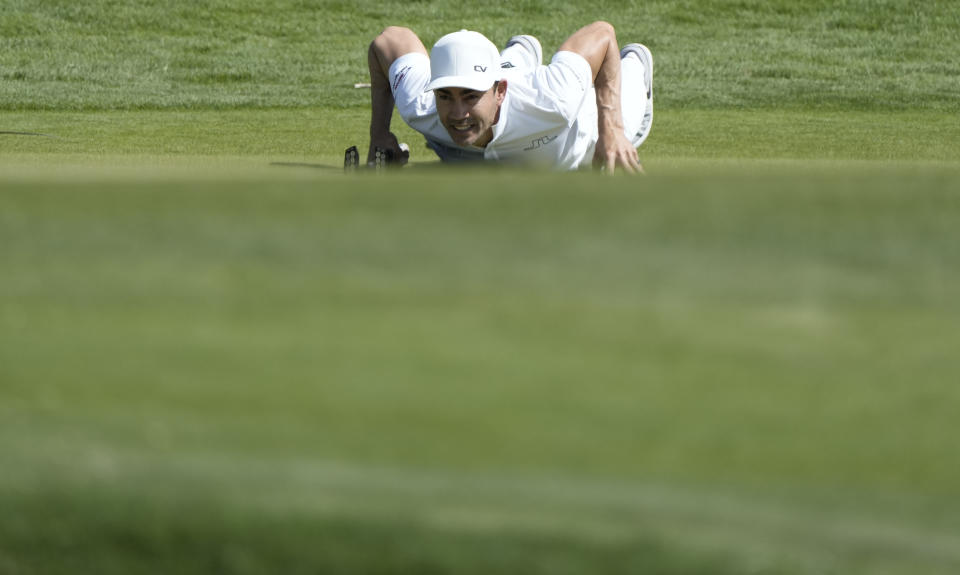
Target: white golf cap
{"x": 464, "y": 59}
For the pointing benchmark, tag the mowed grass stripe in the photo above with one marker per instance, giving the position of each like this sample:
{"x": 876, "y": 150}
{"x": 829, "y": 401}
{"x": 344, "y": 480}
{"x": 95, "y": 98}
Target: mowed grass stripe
{"x": 747, "y": 303}
{"x": 317, "y": 137}
{"x": 698, "y": 518}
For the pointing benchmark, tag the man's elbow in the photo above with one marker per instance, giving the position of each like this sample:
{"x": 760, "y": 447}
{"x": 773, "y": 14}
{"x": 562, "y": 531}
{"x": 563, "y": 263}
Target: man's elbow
{"x": 395, "y": 41}
{"x": 387, "y": 38}
{"x": 592, "y": 42}
{"x": 604, "y": 28}
{"x": 392, "y": 32}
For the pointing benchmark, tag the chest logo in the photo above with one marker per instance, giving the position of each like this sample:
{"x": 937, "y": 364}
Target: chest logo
{"x": 539, "y": 143}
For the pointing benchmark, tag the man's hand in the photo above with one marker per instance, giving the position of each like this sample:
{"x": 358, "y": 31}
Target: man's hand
{"x": 389, "y": 143}
{"x": 615, "y": 150}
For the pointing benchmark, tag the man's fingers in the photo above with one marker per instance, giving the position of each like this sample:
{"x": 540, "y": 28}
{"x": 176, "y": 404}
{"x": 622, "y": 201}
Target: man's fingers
{"x": 626, "y": 158}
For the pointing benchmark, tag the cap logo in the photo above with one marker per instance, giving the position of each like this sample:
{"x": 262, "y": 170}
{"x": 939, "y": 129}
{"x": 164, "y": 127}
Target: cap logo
{"x": 479, "y": 68}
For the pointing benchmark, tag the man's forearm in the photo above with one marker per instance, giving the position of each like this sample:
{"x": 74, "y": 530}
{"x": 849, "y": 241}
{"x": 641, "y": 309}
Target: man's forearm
{"x": 607, "y": 85}
{"x": 597, "y": 43}
{"x": 381, "y": 98}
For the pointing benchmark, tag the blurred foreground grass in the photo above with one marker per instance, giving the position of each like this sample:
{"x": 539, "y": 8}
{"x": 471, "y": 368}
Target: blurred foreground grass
{"x": 749, "y": 368}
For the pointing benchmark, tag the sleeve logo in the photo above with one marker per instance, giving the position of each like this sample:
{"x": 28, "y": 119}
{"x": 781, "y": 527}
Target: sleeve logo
{"x": 400, "y": 76}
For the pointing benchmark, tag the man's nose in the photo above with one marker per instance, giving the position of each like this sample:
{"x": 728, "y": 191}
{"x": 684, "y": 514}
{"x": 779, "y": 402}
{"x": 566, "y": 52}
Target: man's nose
{"x": 460, "y": 110}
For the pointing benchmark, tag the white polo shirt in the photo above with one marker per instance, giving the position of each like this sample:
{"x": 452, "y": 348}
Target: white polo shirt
{"x": 548, "y": 116}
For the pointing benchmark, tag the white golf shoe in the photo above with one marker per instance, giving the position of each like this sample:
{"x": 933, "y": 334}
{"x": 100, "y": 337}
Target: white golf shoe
{"x": 522, "y": 51}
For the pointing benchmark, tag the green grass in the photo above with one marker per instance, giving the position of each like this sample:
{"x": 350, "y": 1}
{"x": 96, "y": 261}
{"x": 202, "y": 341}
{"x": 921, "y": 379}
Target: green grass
{"x": 220, "y": 354}
{"x": 866, "y": 54}
{"x": 318, "y": 136}
{"x": 755, "y": 370}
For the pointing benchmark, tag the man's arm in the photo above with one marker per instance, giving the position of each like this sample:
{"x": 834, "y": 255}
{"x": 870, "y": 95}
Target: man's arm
{"x": 597, "y": 43}
{"x": 392, "y": 43}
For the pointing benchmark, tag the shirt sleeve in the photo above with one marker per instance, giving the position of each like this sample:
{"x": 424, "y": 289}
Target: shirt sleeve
{"x": 566, "y": 82}
{"x": 409, "y": 75}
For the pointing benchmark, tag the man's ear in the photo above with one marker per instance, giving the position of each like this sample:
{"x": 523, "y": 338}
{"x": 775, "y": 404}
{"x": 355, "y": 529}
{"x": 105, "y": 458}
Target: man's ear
{"x": 501, "y": 91}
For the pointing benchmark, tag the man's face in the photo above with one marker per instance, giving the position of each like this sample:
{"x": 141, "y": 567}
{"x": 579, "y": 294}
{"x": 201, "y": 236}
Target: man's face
{"x": 469, "y": 115}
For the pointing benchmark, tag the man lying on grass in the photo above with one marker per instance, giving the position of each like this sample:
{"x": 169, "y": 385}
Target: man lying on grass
{"x": 592, "y": 104}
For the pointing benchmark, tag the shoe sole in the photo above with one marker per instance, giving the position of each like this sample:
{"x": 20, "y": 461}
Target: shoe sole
{"x": 530, "y": 43}
{"x": 646, "y": 57}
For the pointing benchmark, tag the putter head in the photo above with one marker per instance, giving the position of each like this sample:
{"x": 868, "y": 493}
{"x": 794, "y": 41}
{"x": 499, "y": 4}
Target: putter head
{"x": 384, "y": 158}
{"x": 381, "y": 158}
{"x": 351, "y": 159}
